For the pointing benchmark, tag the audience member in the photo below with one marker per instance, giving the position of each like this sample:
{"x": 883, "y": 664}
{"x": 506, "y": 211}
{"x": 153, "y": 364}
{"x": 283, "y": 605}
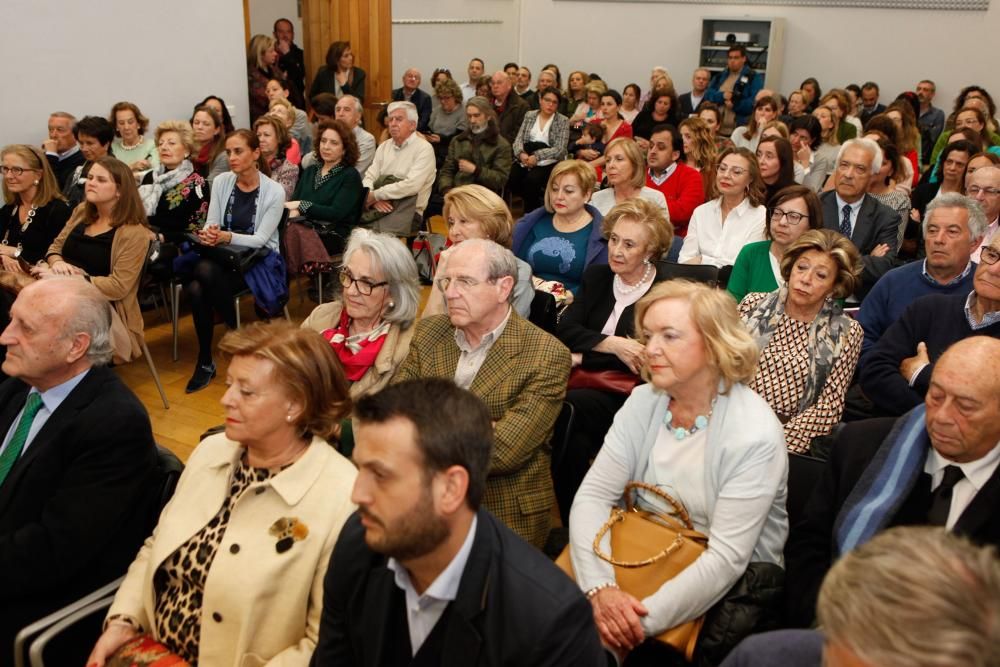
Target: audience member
{"x": 61, "y": 148}
{"x": 286, "y": 396}
{"x": 808, "y": 346}
{"x": 816, "y": 158}
{"x": 711, "y": 115}
{"x": 836, "y": 102}
{"x": 348, "y": 111}
{"x": 614, "y": 125}
{"x": 764, "y": 111}
{"x": 626, "y": 177}
{"x": 792, "y": 212}
{"x": 282, "y": 111}
{"x": 871, "y": 226}
{"x": 951, "y": 228}
{"x": 510, "y": 109}
{"x": 829, "y": 144}
{"x": 403, "y": 168}
{"x": 734, "y": 89}
{"x": 575, "y": 94}
{"x": 777, "y": 165}
{"x": 475, "y": 70}
{"x": 869, "y": 103}
{"x": 931, "y": 118}
{"x": 688, "y": 102}
{"x": 983, "y": 185}
{"x": 300, "y": 130}
{"x": 661, "y": 108}
{"x": 518, "y": 370}
{"x": 968, "y": 118}
{"x": 658, "y": 74}
{"x": 473, "y": 212}
{"x": 210, "y": 135}
{"x": 630, "y": 102}
{"x": 34, "y": 210}
{"x": 562, "y": 238}
{"x": 448, "y": 118}
{"x": 131, "y": 145}
{"x": 812, "y": 92}
{"x": 599, "y": 330}
{"x": 937, "y": 466}
{"x": 274, "y": 145}
{"x": 539, "y": 145}
{"x": 94, "y": 134}
{"x": 591, "y": 138}
{"x": 410, "y": 92}
{"x": 680, "y": 184}
{"x": 522, "y": 87}
{"x": 953, "y": 162}
{"x": 422, "y": 560}
{"x": 884, "y": 185}
{"x": 78, "y": 464}
{"x": 796, "y": 107}
{"x": 291, "y": 60}
{"x": 686, "y": 432}
{"x": 339, "y": 76}
{"x": 244, "y": 213}
{"x": 262, "y": 66}
{"x": 220, "y": 107}
{"x": 330, "y": 189}
{"x": 902, "y": 115}
{"x": 478, "y": 154}
{"x": 371, "y": 325}
{"x": 735, "y": 216}
{"x": 898, "y": 368}
{"x": 700, "y": 149}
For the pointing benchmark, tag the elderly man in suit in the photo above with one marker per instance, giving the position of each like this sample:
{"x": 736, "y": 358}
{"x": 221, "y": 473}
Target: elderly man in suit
{"x": 77, "y": 459}
{"x": 938, "y": 466}
{"x": 422, "y": 575}
{"x": 410, "y": 92}
{"x": 872, "y": 227}
{"x": 517, "y": 369}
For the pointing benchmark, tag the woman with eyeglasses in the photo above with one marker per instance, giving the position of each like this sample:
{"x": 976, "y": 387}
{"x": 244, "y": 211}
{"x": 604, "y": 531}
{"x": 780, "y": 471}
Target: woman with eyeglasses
{"x": 793, "y": 211}
{"x": 808, "y": 346}
{"x": 34, "y": 210}
{"x": 720, "y": 228}
{"x": 371, "y": 325}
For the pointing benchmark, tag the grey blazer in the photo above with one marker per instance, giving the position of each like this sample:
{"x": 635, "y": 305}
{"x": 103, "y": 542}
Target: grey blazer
{"x": 558, "y": 137}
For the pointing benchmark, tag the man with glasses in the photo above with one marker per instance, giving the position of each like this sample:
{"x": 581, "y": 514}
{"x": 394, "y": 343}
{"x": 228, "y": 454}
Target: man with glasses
{"x": 517, "y": 369}
{"x": 899, "y": 367}
{"x": 983, "y": 185}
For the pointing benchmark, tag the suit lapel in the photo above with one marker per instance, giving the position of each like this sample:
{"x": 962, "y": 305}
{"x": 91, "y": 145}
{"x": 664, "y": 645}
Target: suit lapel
{"x": 378, "y": 619}
{"x": 982, "y": 509}
{"x": 13, "y": 402}
{"x": 463, "y": 640}
{"x": 497, "y": 365}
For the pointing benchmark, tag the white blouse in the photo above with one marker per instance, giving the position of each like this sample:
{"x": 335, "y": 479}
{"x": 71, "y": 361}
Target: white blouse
{"x": 719, "y": 243}
{"x": 539, "y": 133}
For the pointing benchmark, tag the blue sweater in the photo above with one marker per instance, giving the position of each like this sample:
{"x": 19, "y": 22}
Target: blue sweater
{"x": 893, "y": 293}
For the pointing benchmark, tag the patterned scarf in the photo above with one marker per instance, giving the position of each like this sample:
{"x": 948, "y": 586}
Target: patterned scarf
{"x": 827, "y": 337}
{"x": 163, "y": 180}
{"x": 357, "y": 353}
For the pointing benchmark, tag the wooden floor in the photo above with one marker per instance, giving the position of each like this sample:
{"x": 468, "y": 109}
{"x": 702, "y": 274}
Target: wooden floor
{"x": 190, "y": 415}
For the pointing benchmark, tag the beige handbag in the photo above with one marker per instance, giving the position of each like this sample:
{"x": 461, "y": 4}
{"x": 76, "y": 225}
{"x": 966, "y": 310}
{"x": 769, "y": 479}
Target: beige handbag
{"x": 648, "y": 549}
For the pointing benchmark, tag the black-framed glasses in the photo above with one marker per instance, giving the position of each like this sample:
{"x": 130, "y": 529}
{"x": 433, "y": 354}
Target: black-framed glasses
{"x": 17, "y": 171}
{"x": 365, "y": 287}
{"x": 989, "y": 255}
{"x": 790, "y": 218}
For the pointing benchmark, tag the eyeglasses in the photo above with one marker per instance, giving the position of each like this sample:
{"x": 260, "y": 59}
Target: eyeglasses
{"x": 365, "y": 287}
{"x": 17, "y": 171}
{"x": 974, "y": 190}
{"x": 735, "y": 171}
{"x": 989, "y": 255}
{"x": 462, "y": 283}
{"x": 790, "y": 218}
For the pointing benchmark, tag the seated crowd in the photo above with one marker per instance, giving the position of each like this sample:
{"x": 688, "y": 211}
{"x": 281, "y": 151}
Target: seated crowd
{"x": 678, "y": 296}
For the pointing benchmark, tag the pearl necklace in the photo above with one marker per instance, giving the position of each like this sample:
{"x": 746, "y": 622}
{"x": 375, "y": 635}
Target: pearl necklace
{"x": 133, "y": 146}
{"x": 679, "y": 432}
{"x": 624, "y": 288}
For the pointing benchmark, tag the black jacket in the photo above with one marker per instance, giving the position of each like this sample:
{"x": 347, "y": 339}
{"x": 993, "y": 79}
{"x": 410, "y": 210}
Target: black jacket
{"x": 514, "y": 607}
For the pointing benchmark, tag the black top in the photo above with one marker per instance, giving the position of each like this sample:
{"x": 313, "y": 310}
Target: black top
{"x": 181, "y": 209}
{"x": 63, "y": 169}
{"x": 40, "y": 232}
{"x": 90, "y": 253}
{"x": 241, "y": 210}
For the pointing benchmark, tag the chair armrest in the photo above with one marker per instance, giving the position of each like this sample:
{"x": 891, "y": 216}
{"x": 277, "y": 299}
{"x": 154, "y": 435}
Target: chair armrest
{"x": 38, "y": 646}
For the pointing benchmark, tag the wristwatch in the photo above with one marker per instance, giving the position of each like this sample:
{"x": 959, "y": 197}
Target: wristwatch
{"x": 17, "y": 252}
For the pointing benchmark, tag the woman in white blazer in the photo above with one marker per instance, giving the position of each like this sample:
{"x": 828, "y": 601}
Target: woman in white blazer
{"x": 233, "y": 573}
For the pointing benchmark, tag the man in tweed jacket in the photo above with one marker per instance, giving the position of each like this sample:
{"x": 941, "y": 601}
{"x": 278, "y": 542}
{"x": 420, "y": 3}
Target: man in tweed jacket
{"x": 517, "y": 369}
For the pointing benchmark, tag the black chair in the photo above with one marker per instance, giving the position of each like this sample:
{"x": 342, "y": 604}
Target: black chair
{"x": 699, "y": 273}
{"x": 560, "y": 444}
{"x": 804, "y": 473}
{"x": 334, "y": 242}
{"x": 543, "y": 312}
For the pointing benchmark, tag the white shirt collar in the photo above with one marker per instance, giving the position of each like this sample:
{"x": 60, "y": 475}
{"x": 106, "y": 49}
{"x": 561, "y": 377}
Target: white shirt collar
{"x": 978, "y": 472}
{"x": 488, "y": 339}
{"x": 855, "y": 207}
{"x": 445, "y": 586}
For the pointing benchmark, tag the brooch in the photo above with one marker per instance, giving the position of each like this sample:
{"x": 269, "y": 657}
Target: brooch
{"x": 288, "y": 530}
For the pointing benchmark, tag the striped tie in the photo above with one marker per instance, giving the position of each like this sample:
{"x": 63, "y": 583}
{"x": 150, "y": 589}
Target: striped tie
{"x": 9, "y": 456}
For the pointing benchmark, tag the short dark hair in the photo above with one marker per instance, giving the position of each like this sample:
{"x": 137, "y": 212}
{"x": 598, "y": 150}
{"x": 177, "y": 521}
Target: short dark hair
{"x": 551, "y": 91}
{"x": 613, "y": 94}
{"x": 808, "y": 123}
{"x": 275, "y": 27}
{"x": 324, "y": 104}
{"x": 351, "y": 152}
{"x": 676, "y": 140}
{"x": 453, "y": 426}
{"x": 869, "y": 85}
{"x": 95, "y": 126}
{"x": 509, "y": 65}
{"x": 813, "y": 205}
{"x": 478, "y": 60}
{"x": 737, "y": 47}
{"x": 854, "y": 88}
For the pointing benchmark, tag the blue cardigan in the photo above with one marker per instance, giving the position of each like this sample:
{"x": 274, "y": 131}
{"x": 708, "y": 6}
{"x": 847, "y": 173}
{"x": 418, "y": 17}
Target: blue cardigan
{"x": 597, "y": 245}
{"x": 270, "y": 206}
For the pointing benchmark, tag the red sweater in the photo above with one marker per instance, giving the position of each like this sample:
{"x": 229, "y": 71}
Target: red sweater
{"x": 684, "y": 194}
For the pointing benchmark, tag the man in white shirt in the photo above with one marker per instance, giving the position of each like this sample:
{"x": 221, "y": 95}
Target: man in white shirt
{"x": 476, "y": 69}
{"x": 421, "y": 575}
{"x": 983, "y": 185}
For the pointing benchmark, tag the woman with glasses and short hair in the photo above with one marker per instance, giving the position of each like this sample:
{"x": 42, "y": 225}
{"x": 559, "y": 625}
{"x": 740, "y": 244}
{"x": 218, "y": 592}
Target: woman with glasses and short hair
{"x": 371, "y": 325}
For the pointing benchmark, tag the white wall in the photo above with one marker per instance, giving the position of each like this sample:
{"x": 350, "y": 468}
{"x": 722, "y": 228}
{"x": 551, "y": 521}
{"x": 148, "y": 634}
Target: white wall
{"x": 83, "y": 57}
{"x": 432, "y": 46}
{"x": 895, "y": 48}
{"x": 263, "y": 14}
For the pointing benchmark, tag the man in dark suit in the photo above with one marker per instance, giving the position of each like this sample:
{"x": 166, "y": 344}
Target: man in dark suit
{"x": 291, "y": 60}
{"x": 77, "y": 457}
{"x": 689, "y": 102}
{"x": 872, "y": 227}
{"x": 870, "y": 106}
{"x": 938, "y": 466}
{"x": 421, "y": 575}
{"x": 410, "y": 92}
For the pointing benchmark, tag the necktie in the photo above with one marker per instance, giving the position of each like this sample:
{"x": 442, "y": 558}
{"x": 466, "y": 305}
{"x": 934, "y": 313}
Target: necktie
{"x": 16, "y": 444}
{"x": 941, "y": 498}
{"x": 845, "y": 222}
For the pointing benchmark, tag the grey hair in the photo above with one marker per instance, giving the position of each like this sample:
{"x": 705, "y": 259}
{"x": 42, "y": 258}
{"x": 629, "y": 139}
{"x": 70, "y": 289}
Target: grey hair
{"x": 500, "y": 262}
{"x": 90, "y": 314}
{"x": 977, "y": 217}
{"x": 357, "y": 103}
{"x": 409, "y": 107}
{"x": 866, "y": 145}
{"x": 398, "y": 268}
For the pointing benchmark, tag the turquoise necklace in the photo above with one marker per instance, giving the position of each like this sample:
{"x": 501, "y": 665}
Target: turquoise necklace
{"x": 679, "y": 432}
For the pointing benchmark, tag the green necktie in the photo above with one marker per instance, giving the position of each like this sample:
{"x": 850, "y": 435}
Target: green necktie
{"x": 16, "y": 444}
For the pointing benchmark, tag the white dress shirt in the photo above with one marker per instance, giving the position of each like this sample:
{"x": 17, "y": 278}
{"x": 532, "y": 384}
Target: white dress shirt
{"x": 719, "y": 243}
{"x": 977, "y": 473}
{"x": 471, "y": 359}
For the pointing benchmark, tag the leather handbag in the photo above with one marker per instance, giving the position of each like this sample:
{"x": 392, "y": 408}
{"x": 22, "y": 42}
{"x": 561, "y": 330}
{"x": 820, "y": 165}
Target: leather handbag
{"x": 144, "y": 651}
{"x": 231, "y": 258}
{"x": 615, "y": 382}
{"x": 648, "y": 549}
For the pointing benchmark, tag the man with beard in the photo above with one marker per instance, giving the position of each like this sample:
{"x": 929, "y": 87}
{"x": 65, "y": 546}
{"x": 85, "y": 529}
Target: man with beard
{"x": 479, "y": 154}
{"x": 421, "y": 575}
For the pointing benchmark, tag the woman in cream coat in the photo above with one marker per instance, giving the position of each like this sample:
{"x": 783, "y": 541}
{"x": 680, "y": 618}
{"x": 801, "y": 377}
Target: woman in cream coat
{"x": 233, "y": 573}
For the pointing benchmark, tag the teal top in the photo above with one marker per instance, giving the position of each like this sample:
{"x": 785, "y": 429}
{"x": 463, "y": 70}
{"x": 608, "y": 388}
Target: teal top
{"x": 556, "y": 256}
{"x": 146, "y": 150}
{"x": 752, "y": 271}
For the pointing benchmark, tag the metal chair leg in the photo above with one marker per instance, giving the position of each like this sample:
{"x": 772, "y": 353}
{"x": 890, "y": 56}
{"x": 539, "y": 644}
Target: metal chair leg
{"x": 175, "y": 299}
{"x": 156, "y": 376}
{"x": 236, "y": 303}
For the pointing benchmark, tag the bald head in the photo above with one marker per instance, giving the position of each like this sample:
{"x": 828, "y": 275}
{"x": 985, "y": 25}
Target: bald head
{"x": 411, "y": 79}
{"x": 500, "y": 86}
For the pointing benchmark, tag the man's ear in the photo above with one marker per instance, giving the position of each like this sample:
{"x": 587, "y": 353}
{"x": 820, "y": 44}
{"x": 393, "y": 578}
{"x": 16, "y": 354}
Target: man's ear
{"x": 79, "y": 347}
{"x": 451, "y": 486}
{"x": 506, "y": 286}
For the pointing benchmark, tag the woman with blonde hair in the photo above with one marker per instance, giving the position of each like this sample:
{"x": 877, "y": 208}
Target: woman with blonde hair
{"x": 626, "y": 172}
{"x": 700, "y": 149}
{"x": 576, "y": 93}
{"x": 808, "y": 346}
{"x": 262, "y": 66}
{"x": 34, "y": 210}
{"x": 131, "y": 145}
{"x": 686, "y": 432}
{"x": 201, "y": 581}
{"x": 475, "y": 212}
{"x": 283, "y": 111}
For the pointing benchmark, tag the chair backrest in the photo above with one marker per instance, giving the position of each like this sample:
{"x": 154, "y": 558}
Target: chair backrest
{"x": 804, "y": 473}
{"x": 543, "y": 313}
{"x": 561, "y": 432}
{"x": 171, "y": 467}
{"x": 700, "y": 273}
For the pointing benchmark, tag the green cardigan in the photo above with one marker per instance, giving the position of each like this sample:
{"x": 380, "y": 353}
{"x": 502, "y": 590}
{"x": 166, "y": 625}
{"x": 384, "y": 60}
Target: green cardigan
{"x": 752, "y": 271}
{"x": 337, "y": 200}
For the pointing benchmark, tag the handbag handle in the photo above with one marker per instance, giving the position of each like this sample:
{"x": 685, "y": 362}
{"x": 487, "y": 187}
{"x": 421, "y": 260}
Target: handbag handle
{"x": 617, "y": 517}
{"x": 682, "y": 513}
